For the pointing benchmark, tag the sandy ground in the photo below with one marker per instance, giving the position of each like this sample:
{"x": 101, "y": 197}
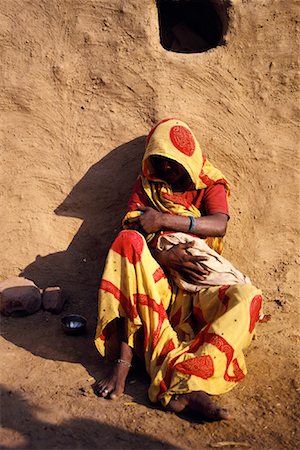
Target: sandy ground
{"x": 82, "y": 82}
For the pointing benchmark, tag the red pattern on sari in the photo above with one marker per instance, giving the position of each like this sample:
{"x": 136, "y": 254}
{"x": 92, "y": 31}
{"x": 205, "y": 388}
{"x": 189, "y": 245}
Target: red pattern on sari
{"x": 255, "y": 307}
{"x": 183, "y": 140}
{"x": 129, "y": 245}
{"x": 201, "y": 366}
{"x": 144, "y": 299}
{"x": 169, "y": 346}
{"x": 225, "y": 347}
{"x": 165, "y": 383}
{"x": 199, "y": 340}
{"x": 238, "y": 373}
{"x": 158, "y": 274}
{"x": 129, "y": 309}
{"x": 205, "y": 178}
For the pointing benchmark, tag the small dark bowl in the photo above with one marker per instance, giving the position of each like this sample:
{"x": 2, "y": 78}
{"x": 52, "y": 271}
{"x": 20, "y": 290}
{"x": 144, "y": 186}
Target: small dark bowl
{"x": 74, "y": 324}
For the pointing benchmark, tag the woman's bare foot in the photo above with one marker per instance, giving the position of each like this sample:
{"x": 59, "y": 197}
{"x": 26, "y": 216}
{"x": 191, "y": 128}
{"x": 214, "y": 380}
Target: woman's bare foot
{"x": 200, "y": 403}
{"x": 113, "y": 385}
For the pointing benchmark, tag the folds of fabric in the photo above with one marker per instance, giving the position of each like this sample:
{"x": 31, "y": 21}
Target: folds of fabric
{"x": 191, "y": 342}
{"x": 221, "y": 270}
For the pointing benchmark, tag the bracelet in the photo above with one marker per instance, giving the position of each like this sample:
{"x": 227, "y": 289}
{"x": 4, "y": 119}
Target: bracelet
{"x": 122, "y": 361}
{"x": 192, "y": 224}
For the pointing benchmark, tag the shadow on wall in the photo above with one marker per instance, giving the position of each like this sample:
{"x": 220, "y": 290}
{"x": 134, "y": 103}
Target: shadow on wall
{"x": 100, "y": 200}
{"x": 21, "y": 427}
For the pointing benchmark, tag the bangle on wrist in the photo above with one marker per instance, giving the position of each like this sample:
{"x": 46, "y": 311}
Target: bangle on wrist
{"x": 192, "y": 224}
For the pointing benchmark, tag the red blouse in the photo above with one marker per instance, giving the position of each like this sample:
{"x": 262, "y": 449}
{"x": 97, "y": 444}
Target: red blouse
{"x": 211, "y": 200}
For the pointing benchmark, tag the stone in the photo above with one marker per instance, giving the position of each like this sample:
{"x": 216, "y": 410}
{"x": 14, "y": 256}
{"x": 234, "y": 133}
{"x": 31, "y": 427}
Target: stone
{"x": 53, "y": 299}
{"x": 19, "y": 297}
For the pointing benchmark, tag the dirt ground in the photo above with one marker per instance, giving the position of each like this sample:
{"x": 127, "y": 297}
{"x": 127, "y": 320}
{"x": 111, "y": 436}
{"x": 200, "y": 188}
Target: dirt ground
{"x": 82, "y": 82}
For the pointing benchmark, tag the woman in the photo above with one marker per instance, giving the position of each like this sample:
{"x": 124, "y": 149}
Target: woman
{"x": 192, "y": 343}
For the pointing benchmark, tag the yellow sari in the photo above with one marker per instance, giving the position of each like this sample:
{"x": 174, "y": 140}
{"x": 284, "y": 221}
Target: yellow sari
{"x": 191, "y": 341}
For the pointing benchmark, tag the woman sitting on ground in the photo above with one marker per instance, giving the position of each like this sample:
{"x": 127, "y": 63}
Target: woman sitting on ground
{"x": 192, "y": 343}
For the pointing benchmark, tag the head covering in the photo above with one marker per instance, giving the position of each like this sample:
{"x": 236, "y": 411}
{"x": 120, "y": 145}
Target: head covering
{"x": 173, "y": 139}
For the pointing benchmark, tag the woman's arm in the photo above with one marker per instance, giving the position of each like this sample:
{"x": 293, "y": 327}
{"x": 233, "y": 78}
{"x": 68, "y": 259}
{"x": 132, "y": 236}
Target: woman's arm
{"x": 152, "y": 221}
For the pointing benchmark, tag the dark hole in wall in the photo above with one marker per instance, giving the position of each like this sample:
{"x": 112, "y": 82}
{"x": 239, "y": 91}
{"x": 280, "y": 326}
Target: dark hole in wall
{"x": 191, "y": 26}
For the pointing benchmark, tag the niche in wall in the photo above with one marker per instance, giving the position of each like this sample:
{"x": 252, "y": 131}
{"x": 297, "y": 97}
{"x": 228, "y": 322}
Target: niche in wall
{"x": 192, "y": 26}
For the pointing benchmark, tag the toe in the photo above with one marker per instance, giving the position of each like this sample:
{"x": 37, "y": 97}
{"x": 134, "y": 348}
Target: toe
{"x": 218, "y": 414}
{"x": 100, "y": 384}
{"x": 97, "y": 389}
{"x": 117, "y": 392}
{"x": 106, "y": 391}
{"x": 114, "y": 396}
{"x": 177, "y": 405}
{"x": 224, "y": 414}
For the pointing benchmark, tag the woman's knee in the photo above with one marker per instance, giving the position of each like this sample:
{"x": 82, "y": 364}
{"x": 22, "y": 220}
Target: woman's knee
{"x": 252, "y": 298}
{"x": 244, "y": 293}
{"x": 251, "y": 295}
{"x": 131, "y": 237}
{"x": 129, "y": 244}
{"x": 249, "y": 299}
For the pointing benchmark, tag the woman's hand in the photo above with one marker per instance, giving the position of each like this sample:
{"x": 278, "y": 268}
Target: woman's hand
{"x": 190, "y": 267}
{"x": 149, "y": 221}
